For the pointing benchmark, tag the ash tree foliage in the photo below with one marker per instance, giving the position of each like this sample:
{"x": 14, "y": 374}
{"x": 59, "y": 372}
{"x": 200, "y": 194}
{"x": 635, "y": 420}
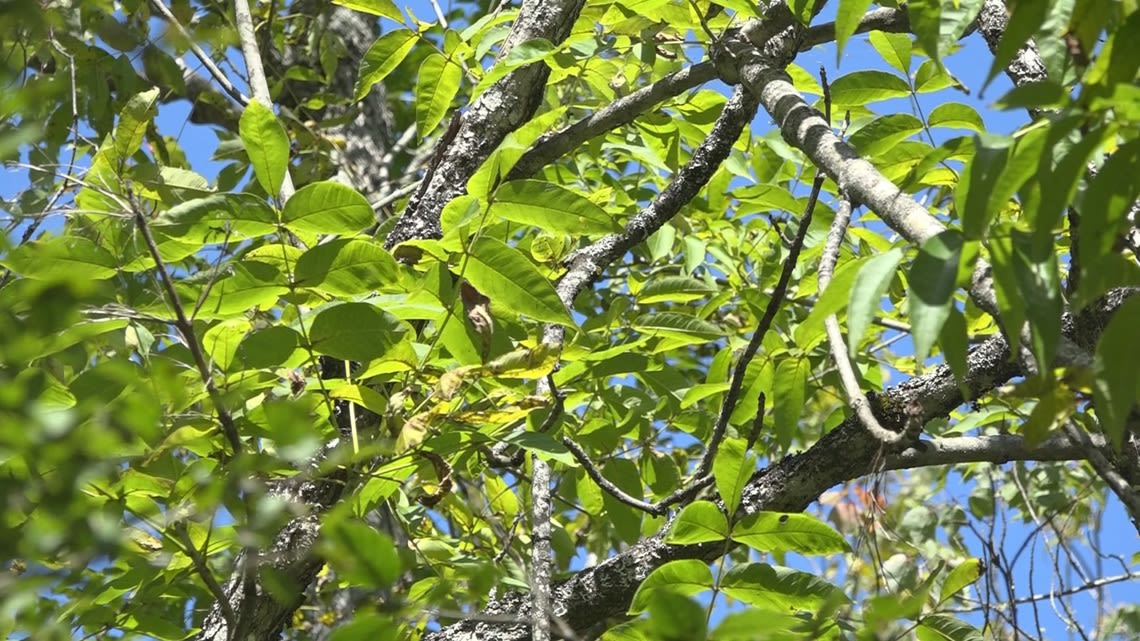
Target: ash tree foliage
{"x": 568, "y": 320}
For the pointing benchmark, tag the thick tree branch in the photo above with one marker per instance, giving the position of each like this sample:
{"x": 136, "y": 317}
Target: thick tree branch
{"x": 997, "y": 448}
{"x": 881, "y": 19}
{"x": 501, "y": 109}
{"x": 1026, "y": 66}
{"x": 626, "y": 109}
{"x": 791, "y": 485}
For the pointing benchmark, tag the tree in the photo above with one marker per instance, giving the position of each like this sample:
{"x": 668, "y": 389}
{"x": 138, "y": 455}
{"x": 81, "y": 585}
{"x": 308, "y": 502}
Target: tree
{"x": 521, "y": 323}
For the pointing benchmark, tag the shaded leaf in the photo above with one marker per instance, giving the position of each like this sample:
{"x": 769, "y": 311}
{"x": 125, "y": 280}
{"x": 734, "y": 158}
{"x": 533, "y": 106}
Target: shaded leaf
{"x": 512, "y": 282}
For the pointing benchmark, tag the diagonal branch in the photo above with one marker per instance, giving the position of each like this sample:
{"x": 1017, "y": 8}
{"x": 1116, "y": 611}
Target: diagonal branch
{"x": 501, "y": 109}
{"x": 586, "y": 265}
{"x": 855, "y": 396}
{"x": 622, "y": 111}
{"x": 202, "y": 56}
{"x": 626, "y": 109}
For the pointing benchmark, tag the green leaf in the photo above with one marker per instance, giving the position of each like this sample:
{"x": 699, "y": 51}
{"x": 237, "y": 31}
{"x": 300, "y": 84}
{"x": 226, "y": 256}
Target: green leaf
{"x": 1105, "y": 206}
{"x": 686, "y": 577}
{"x": 811, "y": 332}
{"x": 1044, "y": 94}
{"x": 932, "y": 77}
{"x": 550, "y": 207}
{"x": 743, "y": 625}
{"x": 789, "y": 392}
{"x": 674, "y": 289}
{"x": 754, "y": 198}
{"x": 732, "y": 468}
{"x": 964, "y": 574}
{"x": 676, "y": 616}
{"x": 363, "y": 396}
{"x": 677, "y": 325}
{"x": 382, "y": 8}
{"x": 367, "y": 626}
{"x": 436, "y": 86}
{"x": 267, "y": 145}
{"x": 268, "y": 348}
{"x": 974, "y": 199}
{"x": 133, "y": 121}
{"x": 895, "y": 48}
{"x": 863, "y": 87}
{"x": 776, "y": 532}
{"x": 867, "y": 294}
{"x": 1059, "y": 180}
{"x": 240, "y": 216}
{"x": 847, "y": 19}
{"x": 626, "y": 520}
{"x": 253, "y": 285}
{"x": 61, "y": 258}
{"x": 382, "y": 58}
{"x": 765, "y": 586}
{"x": 926, "y": 23}
{"x": 511, "y": 281}
{"x": 359, "y": 553}
{"x": 355, "y": 331}
{"x": 221, "y": 341}
{"x": 956, "y": 115}
{"x": 327, "y": 207}
{"x": 1117, "y": 383}
{"x": 885, "y": 132}
{"x": 940, "y": 627}
{"x": 523, "y": 54}
{"x": 346, "y": 267}
{"x": 933, "y": 279}
{"x": 954, "y": 341}
{"x": 1039, "y": 284}
{"x": 699, "y": 522}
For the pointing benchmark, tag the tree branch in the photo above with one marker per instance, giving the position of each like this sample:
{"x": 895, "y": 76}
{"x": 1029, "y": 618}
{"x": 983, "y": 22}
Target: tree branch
{"x": 624, "y": 110}
{"x": 855, "y": 396}
{"x": 586, "y": 265}
{"x": 257, "y": 82}
{"x": 501, "y": 109}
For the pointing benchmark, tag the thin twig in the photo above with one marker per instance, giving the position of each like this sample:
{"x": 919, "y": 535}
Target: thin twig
{"x": 1107, "y": 472}
{"x": 586, "y": 265}
{"x": 389, "y": 198}
{"x": 208, "y": 578}
{"x": 855, "y": 396}
{"x": 256, "y": 72}
{"x": 592, "y": 471}
{"x": 736, "y": 386}
{"x": 439, "y": 13}
{"x": 202, "y": 56}
{"x": 540, "y": 550}
{"x": 186, "y": 329}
